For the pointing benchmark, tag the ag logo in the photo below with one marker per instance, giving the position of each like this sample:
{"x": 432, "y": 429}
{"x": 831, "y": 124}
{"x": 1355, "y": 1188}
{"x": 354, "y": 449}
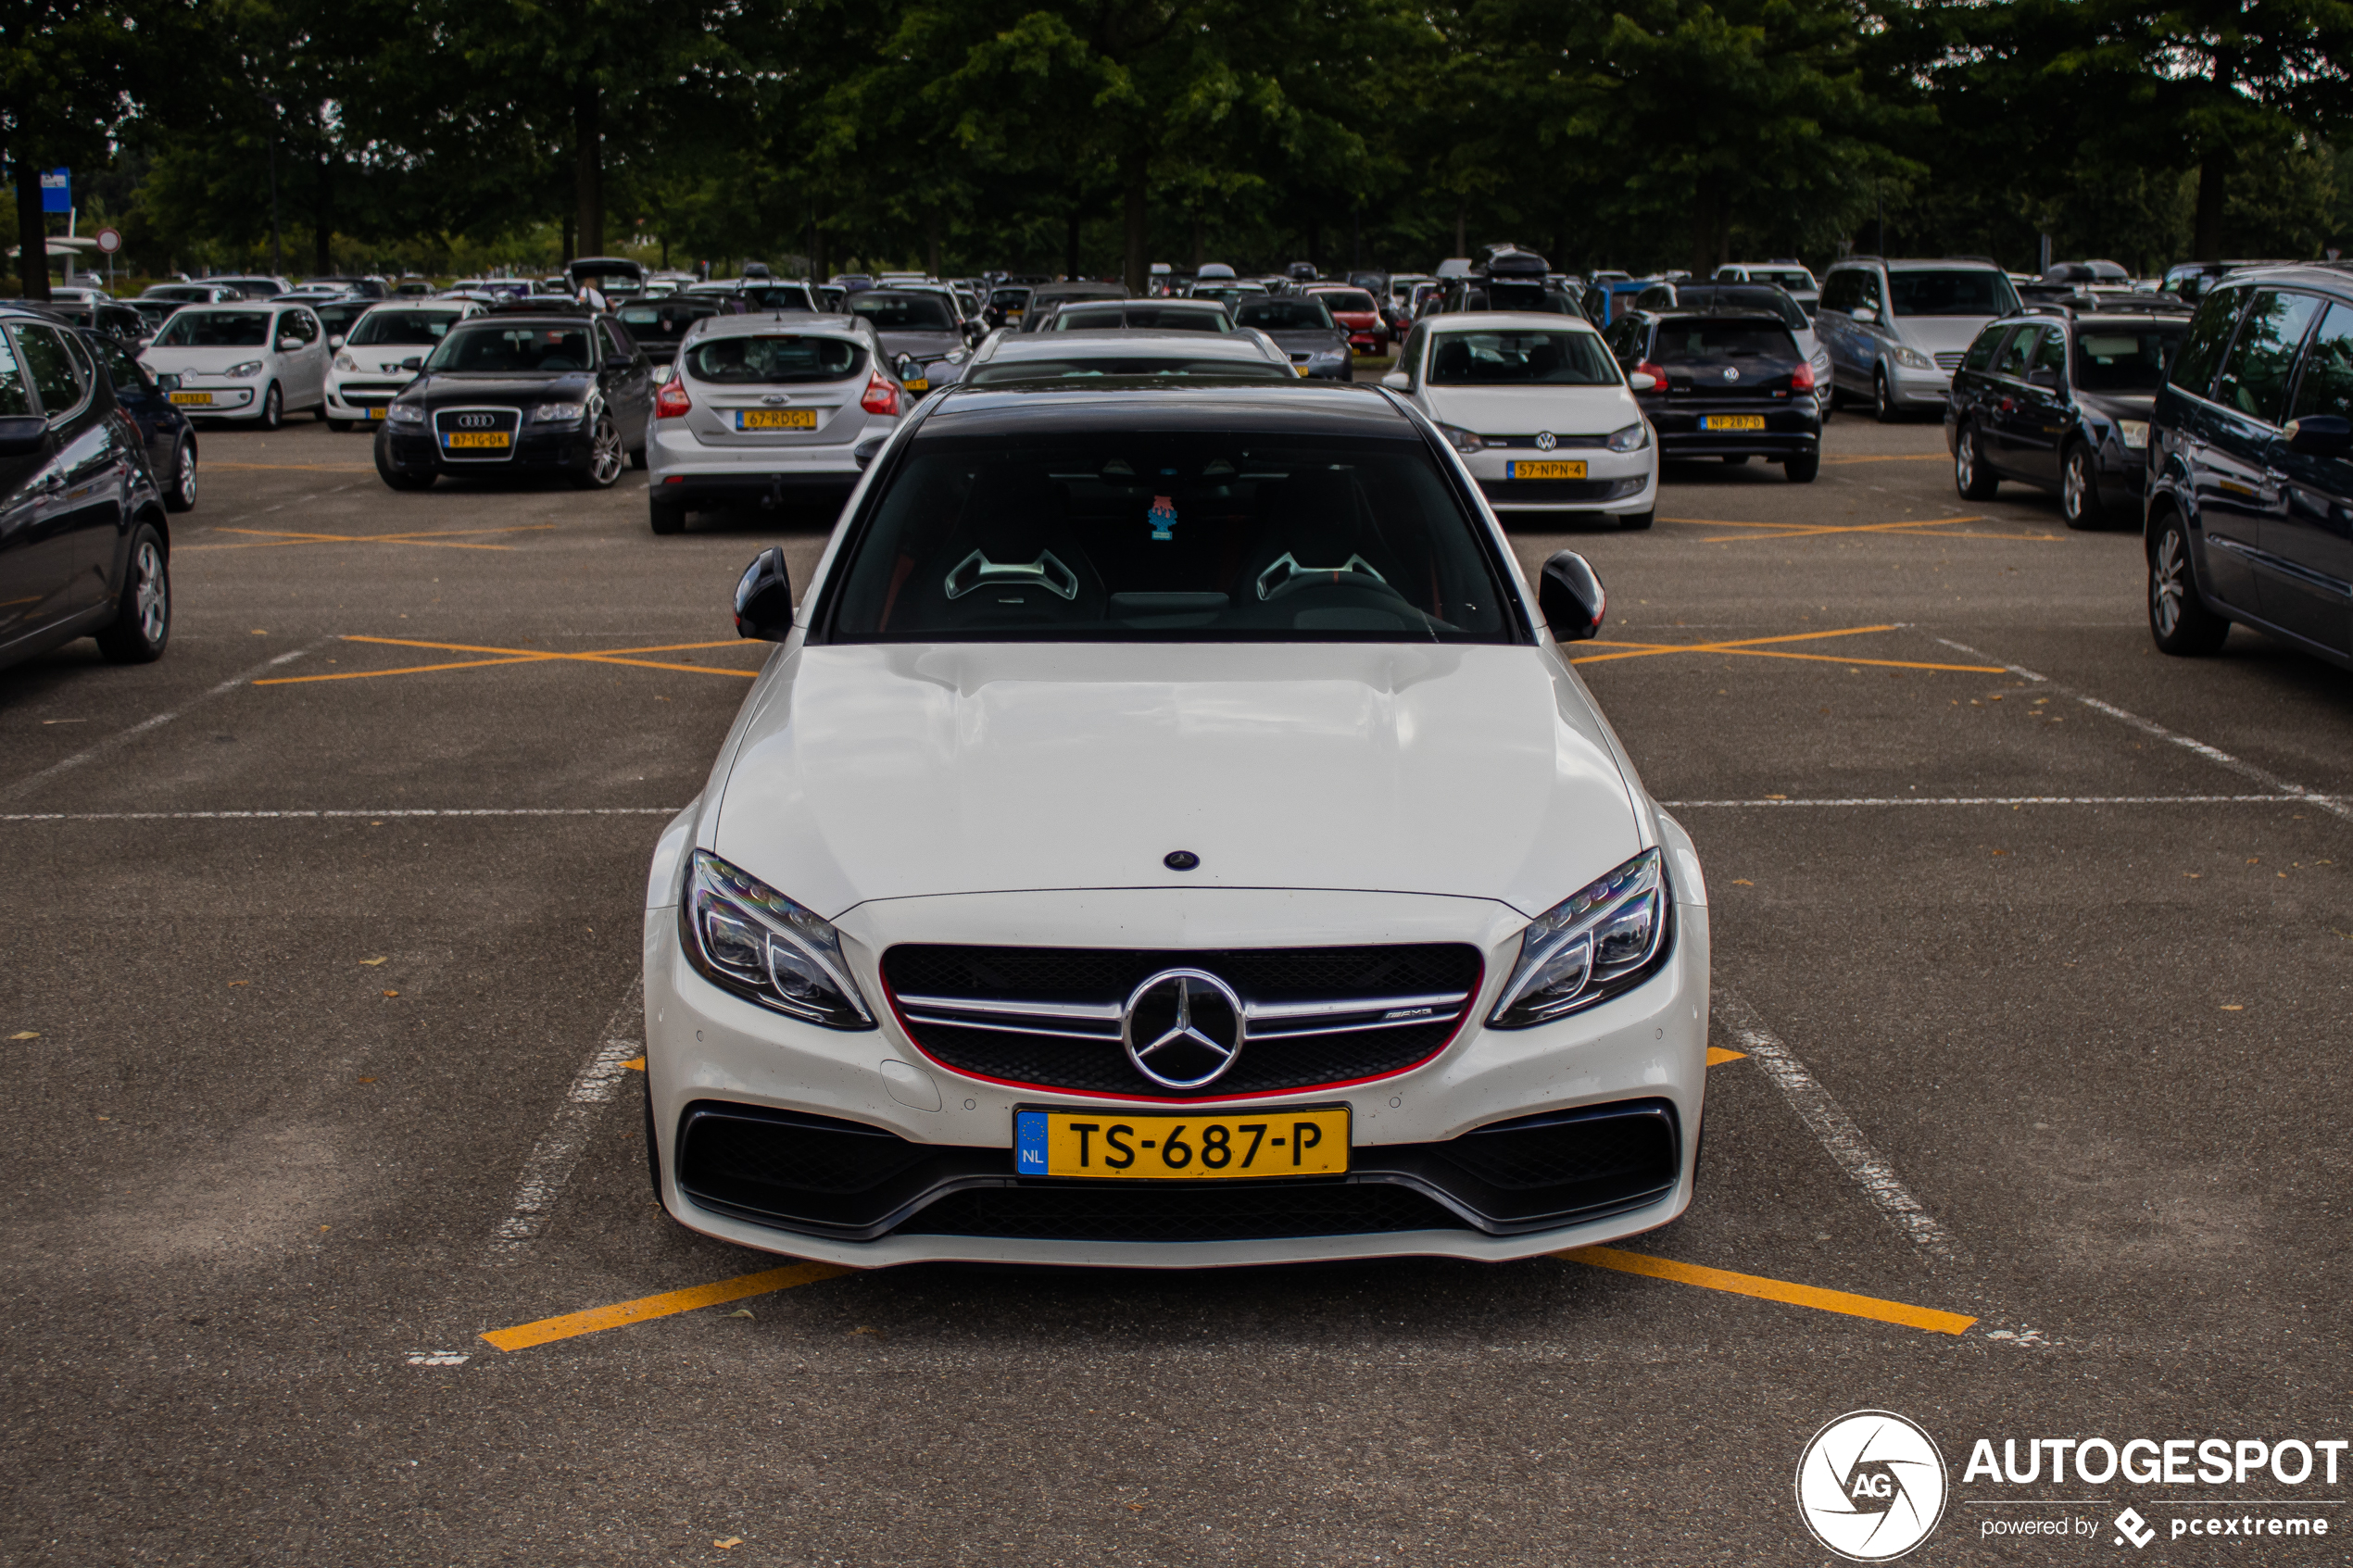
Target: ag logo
{"x": 1870, "y": 1486}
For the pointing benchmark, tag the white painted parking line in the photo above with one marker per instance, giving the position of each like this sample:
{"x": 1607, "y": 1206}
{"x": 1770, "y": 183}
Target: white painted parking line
{"x": 2335, "y": 805}
{"x": 2014, "y": 800}
{"x": 1836, "y": 1130}
{"x": 557, "y": 1150}
{"x": 337, "y": 815}
{"x": 25, "y": 787}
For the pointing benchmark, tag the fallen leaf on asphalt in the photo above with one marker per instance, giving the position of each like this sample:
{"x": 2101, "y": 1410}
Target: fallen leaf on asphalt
{"x": 373, "y": 962}
{"x": 2193, "y": 875}
{"x": 367, "y": 1080}
{"x": 732, "y": 1540}
{"x": 241, "y": 982}
{"x": 1742, "y": 881}
{"x": 2233, "y": 1006}
{"x": 2001, "y": 851}
{"x": 1777, "y": 797}
{"x": 26, "y": 1035}
{"x": 875, "y": 1332}
{"x": 391, "y": 993}
{"x": 1133, "y": 1507}
{"x": 740, "y": 1312}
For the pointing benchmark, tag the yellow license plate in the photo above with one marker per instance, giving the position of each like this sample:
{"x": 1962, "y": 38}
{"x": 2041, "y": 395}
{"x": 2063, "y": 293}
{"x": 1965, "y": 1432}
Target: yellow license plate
{"x": 1554, "y": 469}
{"x": 918, "y": 384}
{"x": 376, "y": 413}
{"x": 198, "y": 399}
{"x": 1732, "y": 422}
{"x": 463, "y": 438}
{"x": 1179, "y": 1146}
{"x": 776, "y": 419}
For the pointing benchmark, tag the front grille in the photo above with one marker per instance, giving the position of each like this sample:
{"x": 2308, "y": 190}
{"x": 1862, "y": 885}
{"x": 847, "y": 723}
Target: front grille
{"x": 476, "y": 421}
{"x": 1544, "y": 490}
{"x": 1050, "y": 1017}
{"x": 1949, "y": 361}
{"x": 1091, "y": 1213}
{"x": 1565, "y": 443}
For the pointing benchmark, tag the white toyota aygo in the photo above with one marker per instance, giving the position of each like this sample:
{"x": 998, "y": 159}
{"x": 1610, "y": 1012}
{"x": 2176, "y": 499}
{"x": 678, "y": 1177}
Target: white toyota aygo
{"x": 1169, "y": 833}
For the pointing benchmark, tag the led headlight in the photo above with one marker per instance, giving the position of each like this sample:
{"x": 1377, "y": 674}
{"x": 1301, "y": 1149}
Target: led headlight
{"x": 2135, "y": 433}
{"x": 1590, "y": 946}
{"x": 1913, "y": 360}
{"x": 1633, "y": 438}
{"x": 250, "y": 368}
{"x": 404, "y": 414}
{"x": 345, "y": 362}
{"x": 557, "y": 413}
{"x": 1463, "y": 440}
{"x": 752, "y": 939}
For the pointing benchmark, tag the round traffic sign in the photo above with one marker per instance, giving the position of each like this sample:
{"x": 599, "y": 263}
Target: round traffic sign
{"x": 109, "y": 241}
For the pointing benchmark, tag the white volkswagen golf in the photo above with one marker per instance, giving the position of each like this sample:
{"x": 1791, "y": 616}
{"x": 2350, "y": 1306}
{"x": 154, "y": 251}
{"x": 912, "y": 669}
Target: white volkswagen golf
{"x": 1538, "y": 408}
{"x": 1169, "y": 833}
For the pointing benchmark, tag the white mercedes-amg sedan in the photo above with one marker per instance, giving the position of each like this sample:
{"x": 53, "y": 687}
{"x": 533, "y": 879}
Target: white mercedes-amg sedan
{"x": 1168, "y": 833}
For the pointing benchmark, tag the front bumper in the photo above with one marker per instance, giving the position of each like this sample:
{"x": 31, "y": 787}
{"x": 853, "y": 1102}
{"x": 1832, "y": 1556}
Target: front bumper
{"x": 682, "y": 468}
{"x": 360, "y": 399}
{"x": 718, "y": 1065}
{"x": 1911, "y": 388}
{"x": 1614, "y": 483}
{"x": 229, "y": 399}
{"x": 412, "y": 450}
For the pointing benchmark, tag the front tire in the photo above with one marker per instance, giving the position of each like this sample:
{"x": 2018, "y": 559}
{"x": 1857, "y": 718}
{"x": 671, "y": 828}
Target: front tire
{"x": 143, "y": 616}
{"x": 180, "y": 496}
{"x": 1801, "y": 471}
{"x": 1633, "y": 522}
{"x": 602, "y": 470}
{"x": 1970, "y": 476}
{"x": 1883, "y": 407}
{"x": 396, "y": 479}
{"x": 273, "y": 408}
{"x": 667, "y": 517}
{"x": 341, "y": 427}
{"x": 2179, "y": 619}
{"x": 637, "y": 458}
{"x": 2079, "y": 489}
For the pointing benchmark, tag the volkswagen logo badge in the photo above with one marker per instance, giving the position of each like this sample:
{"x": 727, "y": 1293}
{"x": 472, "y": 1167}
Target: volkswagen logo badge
{"x": 474, "y": 421}
{"x": 1546, "y": 441}
{"x": 1182, "y": 1028}
{"x": 1731, "y": 372}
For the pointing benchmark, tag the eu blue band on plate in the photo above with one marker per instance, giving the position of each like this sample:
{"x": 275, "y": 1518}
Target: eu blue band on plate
{"x": 1029, "y": 1142}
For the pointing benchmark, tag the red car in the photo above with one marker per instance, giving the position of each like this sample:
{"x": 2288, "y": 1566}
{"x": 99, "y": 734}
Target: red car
{"x": 1358, "y": 315}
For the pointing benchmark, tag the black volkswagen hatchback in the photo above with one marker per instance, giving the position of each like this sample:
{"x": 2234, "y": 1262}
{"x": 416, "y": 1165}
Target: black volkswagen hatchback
{"x": 2250, "y": 495}
{"x": 84, "y": 549}
{"x": 1729, "y": 384}
{"x": 522, "y": 393}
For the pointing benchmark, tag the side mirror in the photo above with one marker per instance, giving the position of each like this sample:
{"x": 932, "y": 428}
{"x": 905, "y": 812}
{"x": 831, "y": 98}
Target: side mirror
{"x": 1397, "y": 381}
{"x": 289, "y": 344}
{"x": 414, "y": 362}
{"x": 1642, "y": 380}
{"x": 905, "y": 368}
{"x": 617, "y": 363}
{"x": 866, "y": 451}
{"x": 335, "y": 340}
{"x": 763, "y": 598}
{"x": 22, "y": 434}
{"x": 2320, "y": 435}
{"x": 1864, "y": 314}
{"x": 168, "y": 381}
{"x": 1571, "y": 598}
{"x": 2042, "y": 376}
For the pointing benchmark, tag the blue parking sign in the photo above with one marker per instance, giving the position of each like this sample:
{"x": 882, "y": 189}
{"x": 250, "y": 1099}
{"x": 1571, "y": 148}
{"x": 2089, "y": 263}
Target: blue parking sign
{"x": 56, "y": 191}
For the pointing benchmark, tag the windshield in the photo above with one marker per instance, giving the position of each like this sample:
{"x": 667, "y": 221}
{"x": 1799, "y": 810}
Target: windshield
{"x": 769, "y": 359}
{"x": 1125, "y": 365}
{"x": 402, "y": 327}
{"x": 1009, "y": 300}
{"x": 511, "y": 350}
{"x": 1075, "y": 318}
{"x": 903, "y": 312}
{"x": 1283, "y": 315}
{"x": 1683, "y": 339}
{"x": 1206, "y": 536}
{"x": 2128, "y": 359}
{"x": 666, "y": 318}
{"x": 1774, "y": 300}
{"x": 1347, "y": 299}
{"x": 1962, "y": 292}
{"x": 216, "y": 329}
{"x": 776, "y": 297}
{"x": 1507, "y": 358}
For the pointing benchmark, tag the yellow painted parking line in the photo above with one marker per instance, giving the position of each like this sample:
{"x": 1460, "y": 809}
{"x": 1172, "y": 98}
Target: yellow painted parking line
{"x": 1897, "y": 458}
{"x": 596, "y": 1319}
{"x": 439, "y": 538}
{"x": 636, "y": 1064}
{"x": 1764, "y": 1289}
{"x": 1717, "y": 1056}
{"x": 1905, "y": 529}
{"x": 1753, "y": 647}
{"x": 520, "y": 655}
{"x": 296, "y": 468}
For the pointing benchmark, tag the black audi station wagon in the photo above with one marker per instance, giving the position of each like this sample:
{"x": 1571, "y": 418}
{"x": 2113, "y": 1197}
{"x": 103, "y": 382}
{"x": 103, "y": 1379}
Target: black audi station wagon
{"x": 2250, "y": 492}
{"x": 521, "y": 391}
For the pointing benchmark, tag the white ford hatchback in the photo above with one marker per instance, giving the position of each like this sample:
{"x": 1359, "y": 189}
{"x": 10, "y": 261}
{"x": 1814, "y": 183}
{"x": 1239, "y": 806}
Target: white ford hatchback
{"x": 1169, "y": 833}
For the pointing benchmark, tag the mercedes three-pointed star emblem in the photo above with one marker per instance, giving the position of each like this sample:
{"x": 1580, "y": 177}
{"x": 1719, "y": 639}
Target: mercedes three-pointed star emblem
{"x": 1183, "y": 1028}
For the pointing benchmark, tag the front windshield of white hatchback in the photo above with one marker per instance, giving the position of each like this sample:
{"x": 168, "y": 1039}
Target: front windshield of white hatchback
{"x": 1521, "y": 359}
{"x": 1194, "y": 536}
{"x": 216, "y": 329}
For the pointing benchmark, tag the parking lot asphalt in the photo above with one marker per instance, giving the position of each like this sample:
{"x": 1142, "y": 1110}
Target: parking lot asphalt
{"x": 2034, "y": 944}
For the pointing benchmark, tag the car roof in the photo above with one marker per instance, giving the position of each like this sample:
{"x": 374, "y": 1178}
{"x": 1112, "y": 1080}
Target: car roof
{"x": 808, "y": 323}
{"x": 1488, "y": 320}
{"x": 2312, "y": 274}
{"x": 1122, "y": 342}
{"x": 1262, "y": 408}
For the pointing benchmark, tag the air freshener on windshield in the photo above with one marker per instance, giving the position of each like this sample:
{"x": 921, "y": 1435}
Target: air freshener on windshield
{"x": 1163, "y": 517}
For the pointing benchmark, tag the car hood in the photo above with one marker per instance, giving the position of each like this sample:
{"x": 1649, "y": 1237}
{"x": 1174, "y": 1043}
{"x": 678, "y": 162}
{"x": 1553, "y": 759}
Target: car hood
{"x": 895, "y": 770}
{"x": 470, "y": 387}
{"x": 1942, "y": 334}
{"x": 168, "y": 359}
{"x": 1564, "y": 410}
{"x": 1305, "y": 339}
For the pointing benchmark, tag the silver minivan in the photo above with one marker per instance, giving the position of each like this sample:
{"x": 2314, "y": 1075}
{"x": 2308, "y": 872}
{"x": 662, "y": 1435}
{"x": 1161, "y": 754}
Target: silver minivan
{"x": 767, "y": 411}
{"x": 1895, "y": 331}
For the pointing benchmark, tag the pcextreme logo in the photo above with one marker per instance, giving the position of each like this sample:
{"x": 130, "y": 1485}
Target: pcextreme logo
{"x": 1870, "y": 1486}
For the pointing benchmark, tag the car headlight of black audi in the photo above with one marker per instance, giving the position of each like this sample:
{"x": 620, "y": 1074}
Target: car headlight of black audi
{"x": 748, "y": 939}
{"x": 558, "y": 413}
{"x": 1593, "y": 945}
{"x": 406, "y": 414}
